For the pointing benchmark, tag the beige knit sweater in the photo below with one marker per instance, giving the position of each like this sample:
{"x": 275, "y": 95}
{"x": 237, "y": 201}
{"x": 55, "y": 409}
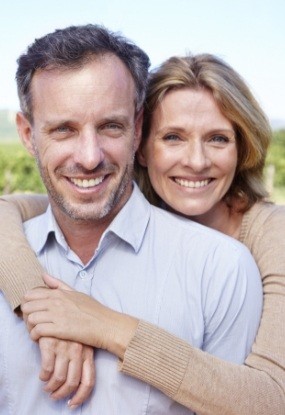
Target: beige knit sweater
{"x": 204, "y": 383}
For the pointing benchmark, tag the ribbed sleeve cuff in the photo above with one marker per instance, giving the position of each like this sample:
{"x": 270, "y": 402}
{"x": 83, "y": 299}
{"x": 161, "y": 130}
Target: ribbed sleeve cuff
{"x": 14, "y": 287}
{"x": 157, "y": 358}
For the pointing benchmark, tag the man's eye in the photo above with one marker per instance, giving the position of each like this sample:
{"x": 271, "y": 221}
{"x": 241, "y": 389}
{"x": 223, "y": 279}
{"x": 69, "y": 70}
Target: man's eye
{"x": 171, "y": 137}
{"x": 60, "y": 130}
{"x": 112, "y": 129}
{"x": 112, "y": 126}
{"x": 63, "y": 129}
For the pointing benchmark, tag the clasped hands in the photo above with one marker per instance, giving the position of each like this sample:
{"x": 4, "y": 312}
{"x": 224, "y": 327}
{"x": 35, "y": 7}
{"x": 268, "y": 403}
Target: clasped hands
{"x": 68, "y": 325}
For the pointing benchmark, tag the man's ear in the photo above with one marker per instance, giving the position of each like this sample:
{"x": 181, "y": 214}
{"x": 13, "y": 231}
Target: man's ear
{"x": 140, "y": 154}
{"x": 138, "y": 129}
{"x": 25, "y": 132}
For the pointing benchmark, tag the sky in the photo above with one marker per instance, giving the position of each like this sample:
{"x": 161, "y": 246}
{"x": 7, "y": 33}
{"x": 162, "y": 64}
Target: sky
{"x": 248, "y": 34}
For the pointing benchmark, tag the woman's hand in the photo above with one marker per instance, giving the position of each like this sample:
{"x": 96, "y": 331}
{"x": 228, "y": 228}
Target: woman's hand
{"x": 69, "y": 315}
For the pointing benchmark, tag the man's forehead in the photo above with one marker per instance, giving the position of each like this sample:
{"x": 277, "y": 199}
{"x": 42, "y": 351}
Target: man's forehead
{"x": 107, "y": 77}
{"x": 107, "y": 62}
{"x": 82, "y": 95}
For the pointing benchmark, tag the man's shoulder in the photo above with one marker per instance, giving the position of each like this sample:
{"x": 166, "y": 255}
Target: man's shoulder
{"x": 33, "y": 224}
{"x": 162, "y": 222}
{"x": 209, "y": 254}
{"x": 194, "y": 242}
{"x": 187, "y": 228}
{"x": 35, "y": 220}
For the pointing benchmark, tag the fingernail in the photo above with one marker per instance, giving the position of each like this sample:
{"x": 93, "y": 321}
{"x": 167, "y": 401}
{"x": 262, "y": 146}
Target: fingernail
{"x": 71, "y": 406}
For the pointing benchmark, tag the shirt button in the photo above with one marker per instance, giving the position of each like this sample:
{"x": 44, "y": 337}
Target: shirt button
{"x": 82, "y": 274}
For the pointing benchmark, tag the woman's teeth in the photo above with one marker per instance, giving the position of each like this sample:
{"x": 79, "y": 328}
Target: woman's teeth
{"x": 192, "y": 184}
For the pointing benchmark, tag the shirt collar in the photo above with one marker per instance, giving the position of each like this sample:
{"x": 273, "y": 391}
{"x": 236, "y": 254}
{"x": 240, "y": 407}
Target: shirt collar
{"x": 47, "y": 226}
{"x": 129, "y": 224}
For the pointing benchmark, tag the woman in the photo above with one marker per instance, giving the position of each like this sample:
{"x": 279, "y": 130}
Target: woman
{"x": 204, "y": 145}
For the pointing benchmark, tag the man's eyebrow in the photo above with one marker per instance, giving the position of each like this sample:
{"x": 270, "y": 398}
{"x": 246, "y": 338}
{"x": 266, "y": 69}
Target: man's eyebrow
{"x": 52, "y": 123}
{"x": 115, "y": 117}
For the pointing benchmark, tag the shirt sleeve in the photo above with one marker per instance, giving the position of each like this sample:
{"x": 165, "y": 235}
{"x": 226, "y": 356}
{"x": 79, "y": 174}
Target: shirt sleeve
{"x": 19, "y": 268}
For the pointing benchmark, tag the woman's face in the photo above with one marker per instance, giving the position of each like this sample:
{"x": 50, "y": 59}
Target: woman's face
{"x": 191, "y": 153}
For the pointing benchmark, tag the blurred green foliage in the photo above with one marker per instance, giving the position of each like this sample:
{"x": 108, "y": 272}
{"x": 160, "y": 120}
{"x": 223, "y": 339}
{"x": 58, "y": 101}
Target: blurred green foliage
{"x": 18, "y": 170}
{"x": 276, "y": 157}
{"x": 19, "y": 173}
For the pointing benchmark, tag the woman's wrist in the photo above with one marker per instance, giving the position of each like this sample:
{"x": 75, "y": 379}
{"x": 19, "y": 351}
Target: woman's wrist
{"x": 124, "y": 328}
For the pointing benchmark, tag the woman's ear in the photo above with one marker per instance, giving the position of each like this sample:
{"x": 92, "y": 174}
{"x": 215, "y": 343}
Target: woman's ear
{"x": 25, "y": 132}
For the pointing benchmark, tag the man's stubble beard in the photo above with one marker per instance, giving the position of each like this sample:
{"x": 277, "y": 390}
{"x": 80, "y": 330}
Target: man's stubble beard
{"x": 78, "y": 213}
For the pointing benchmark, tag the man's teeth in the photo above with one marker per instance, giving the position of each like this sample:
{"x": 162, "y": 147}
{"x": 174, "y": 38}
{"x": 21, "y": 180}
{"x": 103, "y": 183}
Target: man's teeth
{"x": 85, "y": 183}
{"x": 191, "y": 184}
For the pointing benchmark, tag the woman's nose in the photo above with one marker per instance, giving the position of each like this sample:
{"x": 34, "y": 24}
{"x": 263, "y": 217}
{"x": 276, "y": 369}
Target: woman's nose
{"x": 196, "y": 156}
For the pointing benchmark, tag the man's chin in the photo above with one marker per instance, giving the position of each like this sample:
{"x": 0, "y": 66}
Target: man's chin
{"x": 85, "y": 212}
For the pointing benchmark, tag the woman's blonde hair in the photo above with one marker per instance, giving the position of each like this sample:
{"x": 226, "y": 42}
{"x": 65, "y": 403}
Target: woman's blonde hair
{"x": 237, "y": 104}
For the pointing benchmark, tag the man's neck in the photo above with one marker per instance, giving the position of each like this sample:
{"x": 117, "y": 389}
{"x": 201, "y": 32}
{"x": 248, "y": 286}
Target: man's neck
{"x": 82, "y": 236}
{"x": 84, "y": 239}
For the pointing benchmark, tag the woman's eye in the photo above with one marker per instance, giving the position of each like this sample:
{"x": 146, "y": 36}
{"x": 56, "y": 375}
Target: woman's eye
{"x": 219, "y": 139}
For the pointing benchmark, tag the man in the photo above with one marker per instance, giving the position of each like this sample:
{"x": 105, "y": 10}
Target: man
{"x": 81, "y": 91}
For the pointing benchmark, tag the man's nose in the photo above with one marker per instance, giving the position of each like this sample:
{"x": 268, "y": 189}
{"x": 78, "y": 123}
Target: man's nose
{"x": 89, "y": 152}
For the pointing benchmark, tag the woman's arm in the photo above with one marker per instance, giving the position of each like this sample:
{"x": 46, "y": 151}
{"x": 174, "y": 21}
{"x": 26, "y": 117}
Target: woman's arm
{"x": 19, "y": 268}
{"x": 200, "y": 381}
{"x": 27, "y": 205}
{"x": 208, "y": 385}
{"x": 197, "y": 380}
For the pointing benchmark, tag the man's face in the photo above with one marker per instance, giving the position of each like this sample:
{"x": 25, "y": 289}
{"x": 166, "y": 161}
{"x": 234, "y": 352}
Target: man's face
{"x": 84, "y": 136}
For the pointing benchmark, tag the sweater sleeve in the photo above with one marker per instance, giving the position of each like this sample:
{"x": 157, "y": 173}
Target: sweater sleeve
{"x": 201, "y": 382}
{"x": 206, "y": 384}
{"x": 19, "y": 268}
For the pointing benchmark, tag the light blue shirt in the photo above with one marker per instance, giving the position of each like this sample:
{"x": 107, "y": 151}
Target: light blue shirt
{"x": 194, "y": 282}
